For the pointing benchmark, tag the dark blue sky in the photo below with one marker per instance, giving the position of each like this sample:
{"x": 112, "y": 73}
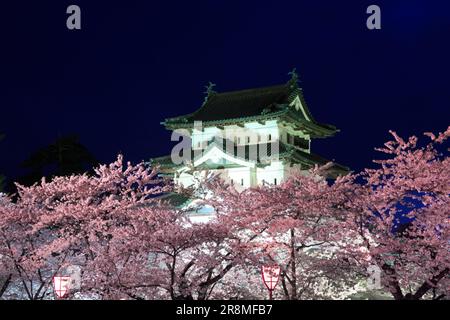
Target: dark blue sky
{"x": 135, "y": 63}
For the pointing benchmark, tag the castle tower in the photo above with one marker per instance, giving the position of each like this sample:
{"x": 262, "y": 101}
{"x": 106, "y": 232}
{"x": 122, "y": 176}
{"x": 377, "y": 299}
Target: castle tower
{"x": 224, "y": 133}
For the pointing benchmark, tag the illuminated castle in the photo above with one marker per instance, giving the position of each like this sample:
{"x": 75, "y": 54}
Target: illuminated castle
{"x": 273, "y": 119}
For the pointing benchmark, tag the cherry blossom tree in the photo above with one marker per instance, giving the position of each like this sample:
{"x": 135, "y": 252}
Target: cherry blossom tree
{"x": 187, "y": 259}
{"x": 403, "y": 218}
{"x": 6, "y": 266}
{"x": 127, "y": 241}
{"x": 23, "y": 279}
{"x": 295, "y": 225}
{"x": 74, "y": 220}
{"x": 130, "y": 243}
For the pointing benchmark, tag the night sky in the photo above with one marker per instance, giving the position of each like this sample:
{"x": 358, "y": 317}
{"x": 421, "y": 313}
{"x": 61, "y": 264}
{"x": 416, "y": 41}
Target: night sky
{"x": 135, "y": 63}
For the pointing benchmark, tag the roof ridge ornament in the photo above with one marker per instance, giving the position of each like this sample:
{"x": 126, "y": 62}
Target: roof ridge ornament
{"x": 209, "y": 91}
{"x": 294, "y": 76}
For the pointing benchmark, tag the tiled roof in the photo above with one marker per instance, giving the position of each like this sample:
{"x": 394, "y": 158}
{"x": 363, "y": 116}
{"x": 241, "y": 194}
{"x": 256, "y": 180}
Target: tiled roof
{"x": 244, "y": 103}
{"x": 256, "y": 104}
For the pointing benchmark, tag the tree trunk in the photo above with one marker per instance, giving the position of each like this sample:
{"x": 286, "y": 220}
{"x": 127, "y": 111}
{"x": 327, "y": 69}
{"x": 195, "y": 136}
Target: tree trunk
{"x": 293, "y": 267}
{"x": 5, "y": 285}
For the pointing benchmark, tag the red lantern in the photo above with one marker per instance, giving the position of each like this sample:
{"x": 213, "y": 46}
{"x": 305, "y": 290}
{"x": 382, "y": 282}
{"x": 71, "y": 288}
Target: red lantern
{"x": 270, "y": 276}
{"x": 61, "y": 286}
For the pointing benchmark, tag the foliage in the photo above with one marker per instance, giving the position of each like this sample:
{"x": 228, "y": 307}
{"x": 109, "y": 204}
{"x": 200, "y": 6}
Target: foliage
{"x": 403, "y": 219}
{"x": 130, "y": 243}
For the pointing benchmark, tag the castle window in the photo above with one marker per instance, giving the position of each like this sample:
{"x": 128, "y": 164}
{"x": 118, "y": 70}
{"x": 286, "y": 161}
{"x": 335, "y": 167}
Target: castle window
{"x": 242, "y": 182}
{"x": 275, "y": 181}
{"x": 270, "y": 137}
{"x": 301, "y": 143}
{"x": 248, "y": 139}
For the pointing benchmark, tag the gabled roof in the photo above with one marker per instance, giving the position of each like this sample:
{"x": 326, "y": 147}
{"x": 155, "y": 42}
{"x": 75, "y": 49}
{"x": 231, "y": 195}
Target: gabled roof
{"x": 256, "y": 104}
{"x": 285, "y": 152}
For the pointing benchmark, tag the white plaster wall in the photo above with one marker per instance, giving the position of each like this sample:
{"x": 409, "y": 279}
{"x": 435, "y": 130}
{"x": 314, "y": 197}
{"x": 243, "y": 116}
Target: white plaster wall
{"x": 184, "y": 179}
{"x": 276, "y": 170}
{"x": 250, "y": 129}
{"x": 257, "y": 132}
{"x": 238, "y": 175}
